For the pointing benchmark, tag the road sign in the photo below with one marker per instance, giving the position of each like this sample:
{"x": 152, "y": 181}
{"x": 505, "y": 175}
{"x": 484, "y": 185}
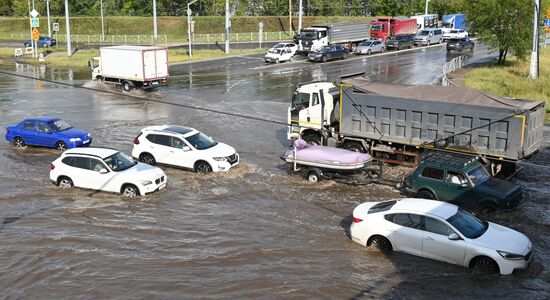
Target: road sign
{"x": 35, "y": 22}
{"x": 55, "y": 26}
{"x": 547, "y": 22}
{"x": 34, "y": 13}
{"x": 548, "y": 13}
{"x": 35, "y": 34}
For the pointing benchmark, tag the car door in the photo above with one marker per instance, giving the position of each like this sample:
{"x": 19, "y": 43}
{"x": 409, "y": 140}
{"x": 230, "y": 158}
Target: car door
{"x": 81, "y": 175}
{"x": 433, "y": 178}
{"x": 185, "y": 155}
{"x": 377, "y": 46}
{"x": 101, "y": 177}
{"x": 437, "y": 245}
{"x": 28, "y": 132}
{"x": 160, "y": 148}
{"x": 44, "y": 135}
{"x": 405, "y": 232}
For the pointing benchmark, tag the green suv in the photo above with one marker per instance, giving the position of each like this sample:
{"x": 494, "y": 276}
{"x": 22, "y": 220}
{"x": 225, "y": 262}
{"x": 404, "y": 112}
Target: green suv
{"x": 462, "y": 180}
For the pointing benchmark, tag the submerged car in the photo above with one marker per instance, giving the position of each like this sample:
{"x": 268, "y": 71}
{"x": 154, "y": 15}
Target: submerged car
{"x": 440, "y": 231}
{"x": 369, "y": 47}
{"x": 108, "y": 170}
{"x": 47, "y": 132}
{"x": 327, "y": 53}
{"x": 278, "y": 55}
{"x": 460, "y": 44}
{"x": 183, "y": 147}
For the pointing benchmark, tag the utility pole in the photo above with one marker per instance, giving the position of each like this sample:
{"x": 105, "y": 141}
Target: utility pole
{"x": 289, "y": 16}
{"x": 227, "y": 26}
{"x": 102, "y": 23}
{"x": 426, "y": 11}
{"x": 155, "y": 18}
{"x": 300, "y": 17}
{"x": 534, "y": 69}
{"x": 34, "y": 43}
{"x": 30, "y": 26}
{"x": 69, "y": 52}
{"x": 189, "y": 26}
{"x": 48, "y": 9}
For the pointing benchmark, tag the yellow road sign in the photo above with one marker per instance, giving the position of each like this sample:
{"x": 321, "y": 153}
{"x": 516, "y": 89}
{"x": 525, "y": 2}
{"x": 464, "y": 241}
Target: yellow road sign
{"x": 35, "y": 34}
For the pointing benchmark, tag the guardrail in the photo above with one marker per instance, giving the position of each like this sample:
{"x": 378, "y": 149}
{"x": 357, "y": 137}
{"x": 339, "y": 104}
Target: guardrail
{"x": 453, "y": 64}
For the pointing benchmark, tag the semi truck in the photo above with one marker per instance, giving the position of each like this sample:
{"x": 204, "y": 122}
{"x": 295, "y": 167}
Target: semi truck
{"x": 425, "y": 21}
{"x": 386, "y": 27}
{"x": 131, "y": 66}
{"x": 454, "y": 21}
{"x": 312, "y": 38}
{"x": 398, "y": 122}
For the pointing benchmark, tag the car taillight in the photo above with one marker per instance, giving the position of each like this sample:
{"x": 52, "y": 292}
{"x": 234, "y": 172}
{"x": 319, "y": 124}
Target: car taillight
{"x": 357, "y": 220}
{"x": 136, "y": 140}
{"x": 52, "y": 166}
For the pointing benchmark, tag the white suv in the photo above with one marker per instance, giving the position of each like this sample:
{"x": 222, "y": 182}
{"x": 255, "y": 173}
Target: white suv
{"x": 183, "y": 147}
{"x": 107, "y": 170}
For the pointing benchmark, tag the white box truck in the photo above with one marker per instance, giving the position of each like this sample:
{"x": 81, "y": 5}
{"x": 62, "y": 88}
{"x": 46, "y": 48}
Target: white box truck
{"x": 131, "y": 66}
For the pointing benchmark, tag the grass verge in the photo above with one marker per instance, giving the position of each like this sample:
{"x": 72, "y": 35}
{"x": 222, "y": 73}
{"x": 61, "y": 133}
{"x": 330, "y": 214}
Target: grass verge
{"x": 58, "y": 57}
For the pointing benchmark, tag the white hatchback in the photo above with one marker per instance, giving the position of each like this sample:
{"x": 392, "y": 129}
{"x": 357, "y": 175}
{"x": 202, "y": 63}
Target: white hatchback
{"x": 183, "y": 147}
{"x": 104, "y": 169}
{"x": 440, "y": 231}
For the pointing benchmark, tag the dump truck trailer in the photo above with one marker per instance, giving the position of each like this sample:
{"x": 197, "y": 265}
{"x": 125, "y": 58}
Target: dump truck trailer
{"x": 397, "y": 122}
{"x": 312, "y": 38}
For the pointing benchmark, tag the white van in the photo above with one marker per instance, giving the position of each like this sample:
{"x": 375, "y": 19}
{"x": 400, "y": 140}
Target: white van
{"x": 428, "y": 36}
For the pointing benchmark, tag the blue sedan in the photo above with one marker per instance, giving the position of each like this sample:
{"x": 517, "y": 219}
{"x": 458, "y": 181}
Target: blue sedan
{"x": 47, "y": 132}
{"x": 43, "y": 42}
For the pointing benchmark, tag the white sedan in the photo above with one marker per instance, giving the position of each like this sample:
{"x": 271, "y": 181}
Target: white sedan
{"x": 107, "y": 170}
{"x": 440, "y": 231}
{"x": 455, "y": 33}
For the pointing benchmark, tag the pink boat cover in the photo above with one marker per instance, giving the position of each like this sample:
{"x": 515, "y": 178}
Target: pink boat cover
{"x": 305, "y": 151}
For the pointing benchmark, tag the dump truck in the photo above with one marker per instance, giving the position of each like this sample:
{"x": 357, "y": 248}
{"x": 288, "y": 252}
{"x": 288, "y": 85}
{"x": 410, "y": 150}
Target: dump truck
{"x": 131, "y": 66}
{"x": 312, "y": 38}
{"x": 385, "y": 27}
{"x": 398, "y": 122}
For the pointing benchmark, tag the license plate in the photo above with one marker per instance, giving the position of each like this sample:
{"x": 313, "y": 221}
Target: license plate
{"x": 155, "y": 82}
{"x": 86, "y": 142}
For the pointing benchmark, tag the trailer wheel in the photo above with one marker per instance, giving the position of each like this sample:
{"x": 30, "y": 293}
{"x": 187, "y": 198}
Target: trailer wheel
{"x": 127, "y": 86}
{"x": 354, "y": 146}
{"x": 314, "y": 176}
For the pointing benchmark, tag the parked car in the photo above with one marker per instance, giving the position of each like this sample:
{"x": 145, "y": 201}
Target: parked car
{"x": 464, "y": 181}
{"x": 440, "y": 231}
{"x": 291, "y": 46}
{"x": 47, "y": 132}
{"x": 455, "y": 33}
{"x": 405, "y": 41}
{"x": 183, "y": 147}
{"x": 428, "y": 36}
{"x": 328, "y": 53}
{"x": 369, "y": 47}
{"x": 43, "y": 42}
{"x": 278, "y": 55}
{"x": 108, "y": 170}
{"x": 460, "y": 44}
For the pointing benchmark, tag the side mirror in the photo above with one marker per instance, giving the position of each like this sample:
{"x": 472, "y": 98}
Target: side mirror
{"x": 454, "y": 237}
{"x": 186, "y": 148}
{"x": 103, "y": 171}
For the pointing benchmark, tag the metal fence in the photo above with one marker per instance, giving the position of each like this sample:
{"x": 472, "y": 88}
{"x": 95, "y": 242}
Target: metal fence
{"x": 453, "y": 64}
{"x": 241, "y": 37}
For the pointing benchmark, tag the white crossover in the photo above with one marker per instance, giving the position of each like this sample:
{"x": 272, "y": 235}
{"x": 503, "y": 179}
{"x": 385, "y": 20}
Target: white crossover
{"x": 278, "y": 55}
{"x": 286, "y": 46}
{"x": 455, "y": 33}
{"x": 440, "y": 231}
{"x": 108, "y": 170}
{"x": 183, "y": 147}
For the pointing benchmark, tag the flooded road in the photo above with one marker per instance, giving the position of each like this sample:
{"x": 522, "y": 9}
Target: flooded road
{"x": 255, "y": 232}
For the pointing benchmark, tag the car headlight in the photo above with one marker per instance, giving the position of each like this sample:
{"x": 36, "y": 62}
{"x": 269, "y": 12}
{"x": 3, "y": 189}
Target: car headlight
{"x": 145, "y": 182}
{"x": 75, "y": 140}
{"x": 219, "y": 158}
{"x": 510, "y": 256}
{"x": 89, "y": 135}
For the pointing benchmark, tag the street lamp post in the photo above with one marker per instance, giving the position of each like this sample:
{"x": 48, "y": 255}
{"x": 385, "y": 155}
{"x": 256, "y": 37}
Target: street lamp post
{"x": 30, "y": 26}
{"x": 300, "y": 17}
{"x": 227, "y": 26}
{"x": 426, "y": 12}
{"x": 48, "y": 10}
{"x": 155, "y": 17}
{"x": 189, "y": 25}
{"x": 102, "y": 23}
{"x": 68, "y": 28}
{"x": 534, "y": 67}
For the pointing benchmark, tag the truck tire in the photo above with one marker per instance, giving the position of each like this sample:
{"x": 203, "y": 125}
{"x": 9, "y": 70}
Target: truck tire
{"x": 127, "y": 86}
{"x": 354, "y": 146}
{"x": 312, "y": 138}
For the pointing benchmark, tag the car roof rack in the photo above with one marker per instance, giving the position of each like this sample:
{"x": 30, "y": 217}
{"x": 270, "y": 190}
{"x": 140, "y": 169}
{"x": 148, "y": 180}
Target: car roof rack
{"x": 448, "y": 159}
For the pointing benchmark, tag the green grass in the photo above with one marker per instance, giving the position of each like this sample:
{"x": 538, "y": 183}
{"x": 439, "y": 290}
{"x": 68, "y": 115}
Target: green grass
{"x": 511, "y": 80}
{"x": 58, "y": 57}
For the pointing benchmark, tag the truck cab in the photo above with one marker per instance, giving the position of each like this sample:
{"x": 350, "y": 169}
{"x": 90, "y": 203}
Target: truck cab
{"x": 379, "y": 30}
{"x": 462, "y": 180}
{"x": 312, "y": 39}
{"x": 95, "y": 66}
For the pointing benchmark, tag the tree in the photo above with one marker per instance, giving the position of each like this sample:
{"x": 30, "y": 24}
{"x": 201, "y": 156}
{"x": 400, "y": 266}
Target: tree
{"x": 503, "y": 24}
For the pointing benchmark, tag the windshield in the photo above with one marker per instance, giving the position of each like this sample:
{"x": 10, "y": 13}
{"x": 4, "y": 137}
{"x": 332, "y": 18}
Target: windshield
{"x": 300, "y": 100}
{"x": 376, "y": 27}
{"x": 279, "y": 45}
{"x": 366, "y": 44}
{"x": 308, "y": 34}
{"x": 275, "y": 51}
{"x": 424, "y": 32}
{"x": 453, "y": 31}
{"x": 398, "y": 38}
{"x": 469, "y": 225}
{"x": 201, "y": 141}
{"x": 119, "y": 162}
{"x": 478, "y": 175}
{"x": 59, "y": 125}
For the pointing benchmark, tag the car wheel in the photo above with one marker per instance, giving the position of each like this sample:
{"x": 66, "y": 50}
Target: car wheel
{"x": 344, "y": 56}
{"x": 354, "y": 146}
{"x": 383, "y": 49}
{"x": 487, "y": 208}
{"x": 147, "y": 158}
{"x": 65, "y": 183}
{"x": 313, "y": 176}
{"x": 428, "y": 43}
{"x": 45, "y": 45}
{"x": 324, "y": 59}
{"x": 276, "y": 60}
{"x": 291, "y": 59}
{"x": 425, "y": 195}
{"x": 266, "y": 61}
{"x": 381, "y": 243}
{"x": 484, "y": 265}
{"x": 127, "y": 86}
{"x": 368, "y": 52}
{"x": 129, "y": 191}
{"x": 440, "y": 41}
{"x": 312, "y": 138}
{"x": 61, "y": 146}
{"x": 18, "y": 142}
{"x": 202, "y": 167}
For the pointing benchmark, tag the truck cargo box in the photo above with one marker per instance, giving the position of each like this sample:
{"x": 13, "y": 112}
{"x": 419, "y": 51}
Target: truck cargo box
{"x": 417, "y": 115}
{"x": 137, "y": 63}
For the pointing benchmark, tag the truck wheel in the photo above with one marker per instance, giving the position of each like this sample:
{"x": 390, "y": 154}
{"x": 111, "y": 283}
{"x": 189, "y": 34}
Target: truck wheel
{"x": 324, "y": 59}
{"x": 312, "y": 138}
{"x": 127, "y": 86}
{"x": 425, "y": 195}
{"x": 354, "y": 146}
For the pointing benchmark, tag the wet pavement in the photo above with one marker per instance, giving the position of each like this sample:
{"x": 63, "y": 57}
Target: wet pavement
{"x": 255, "y": 232}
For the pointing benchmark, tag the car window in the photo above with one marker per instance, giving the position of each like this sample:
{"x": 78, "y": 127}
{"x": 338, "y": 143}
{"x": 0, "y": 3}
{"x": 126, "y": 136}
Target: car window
{"x": 455, "y": 178}
{"x": 160, "y": 139}
{"x": 433, "y": 173}
{"x": 176, "y": 143}
{"x": 69, "y": 161}
{"x": 315, "y": 99}
{"x": 406, "y": 220}
{"x": 42, "y": 127}
{"x": 82, "y": 163}
{"x": 96, "y": 165}
{"x": 382, "y": 206}
{"x": 28, "y": 125}
{"x": 436, "y": 226}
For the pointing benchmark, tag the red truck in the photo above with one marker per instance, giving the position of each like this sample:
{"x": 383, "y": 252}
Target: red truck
{"x": 385, "y": 27}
